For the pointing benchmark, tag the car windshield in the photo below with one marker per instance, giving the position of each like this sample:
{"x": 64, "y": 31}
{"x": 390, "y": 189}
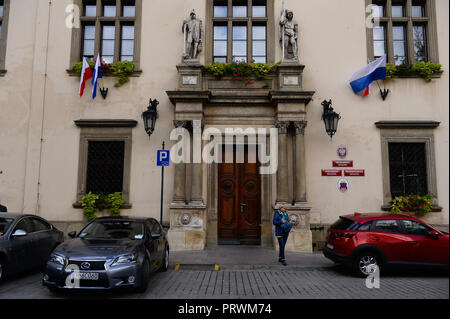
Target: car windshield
{"x": 113, "y": 229}
{"x": 4, "y": 224}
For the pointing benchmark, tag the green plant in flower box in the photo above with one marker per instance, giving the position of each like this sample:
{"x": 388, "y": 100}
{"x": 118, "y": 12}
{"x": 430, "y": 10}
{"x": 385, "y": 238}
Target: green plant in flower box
{"x": 121, "y": 69}
{"x": 88, "y": 202}
{"x": 412, "y": 205}
{"x": 391, "y": 71}
{"x": 240, "y": 70}
{"x": 426, "y": 69}
{"x": 93, "y": 202}
{"x": 115, "y": 201}
{"x": 217, "y": 69}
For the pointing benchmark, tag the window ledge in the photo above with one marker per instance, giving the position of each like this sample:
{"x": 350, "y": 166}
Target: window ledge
{"x": 436, "y": 209}
{"x": 124, "y": 206}
{"x": 105, "y": 123}
{"x": 2, "y": 72}
{"x": 136, "y": 73}
{"x": 407, "y": 124}
{"x": 412, "y": 75}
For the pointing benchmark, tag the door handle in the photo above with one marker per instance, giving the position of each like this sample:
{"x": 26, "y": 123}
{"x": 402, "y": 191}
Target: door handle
{"x": 375, "y": 238}
{"x": 242, "y": 205}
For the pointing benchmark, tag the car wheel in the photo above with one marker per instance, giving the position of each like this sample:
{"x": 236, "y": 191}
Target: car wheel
{"x": 165, "y": 264}
{"x": 145, "y": 276}
{"x": 365, "y": 264}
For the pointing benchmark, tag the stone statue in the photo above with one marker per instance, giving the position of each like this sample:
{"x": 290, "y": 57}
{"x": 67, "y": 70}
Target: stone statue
{"x": 193, "y": 37}
{"x": 289, "y": 35}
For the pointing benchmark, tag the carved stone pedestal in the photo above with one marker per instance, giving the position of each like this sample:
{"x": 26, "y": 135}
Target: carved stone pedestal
{"x": 187, "y": 227}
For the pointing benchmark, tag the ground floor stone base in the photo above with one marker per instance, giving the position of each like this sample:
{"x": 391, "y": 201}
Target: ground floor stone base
{"x": 181, "y": 240}
{"x": 299, "y": 240}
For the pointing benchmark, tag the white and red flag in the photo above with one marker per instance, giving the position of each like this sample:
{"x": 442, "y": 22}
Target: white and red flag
{"x": 86, "y": 74}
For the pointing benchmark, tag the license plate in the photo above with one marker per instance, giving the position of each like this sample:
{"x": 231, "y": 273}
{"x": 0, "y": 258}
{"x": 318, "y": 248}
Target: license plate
{"x": 85, "y": 275}
{"x": 330, "y": 246}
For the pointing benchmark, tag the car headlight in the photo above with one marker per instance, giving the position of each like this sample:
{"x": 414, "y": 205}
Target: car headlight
{"x": 125, "y": 259}
{"x": 57, "y": 259}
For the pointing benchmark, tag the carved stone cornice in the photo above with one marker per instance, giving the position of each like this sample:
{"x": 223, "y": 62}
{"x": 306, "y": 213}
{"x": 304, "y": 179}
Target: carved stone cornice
{"x": 178, "y": 123}
{"x": 188, "y": 96}
{"x": 282, "y": 126}
{"x": 300, "y": 127}
{"x": 105, "y": 123}
{"x": 291, "y": 96}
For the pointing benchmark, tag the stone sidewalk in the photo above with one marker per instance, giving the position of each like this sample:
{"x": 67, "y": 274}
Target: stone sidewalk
{"x": 252, "y": 273}
{"x": 247, "y": 255}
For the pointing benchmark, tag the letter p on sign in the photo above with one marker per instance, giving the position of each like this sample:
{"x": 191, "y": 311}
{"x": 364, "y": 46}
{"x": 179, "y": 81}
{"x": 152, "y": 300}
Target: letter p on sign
{"x": 163, "y": 158}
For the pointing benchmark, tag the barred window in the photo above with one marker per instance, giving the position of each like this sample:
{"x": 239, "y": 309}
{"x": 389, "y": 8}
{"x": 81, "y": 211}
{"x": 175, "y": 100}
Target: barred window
{"x": 105, "y": 157}
{"x": 105, "y": 166}
{"x": 1, "y": 16}
{"x": 408, "y": 169}
{"x": 239, "y": 29}
{"x": 404, "y": 31}
{"x": 108, "y": 28}
{"x": 4, "y": 13}
{"x": 408, "y": 160}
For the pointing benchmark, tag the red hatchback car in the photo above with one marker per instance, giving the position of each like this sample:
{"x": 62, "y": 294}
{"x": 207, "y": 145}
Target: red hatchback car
{"x": 363, "y": 241}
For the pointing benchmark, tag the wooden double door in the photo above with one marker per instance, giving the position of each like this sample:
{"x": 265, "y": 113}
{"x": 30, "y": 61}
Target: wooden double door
{"x": 239, "y": 200}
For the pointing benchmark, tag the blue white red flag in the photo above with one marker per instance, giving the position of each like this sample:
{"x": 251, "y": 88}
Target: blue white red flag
{"x": 363, "y": 78}
{"x": 97, "y": 75}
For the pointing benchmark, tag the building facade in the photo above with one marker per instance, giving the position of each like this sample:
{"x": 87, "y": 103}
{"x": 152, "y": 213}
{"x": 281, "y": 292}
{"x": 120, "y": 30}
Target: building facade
{"x": 56, "y": 146}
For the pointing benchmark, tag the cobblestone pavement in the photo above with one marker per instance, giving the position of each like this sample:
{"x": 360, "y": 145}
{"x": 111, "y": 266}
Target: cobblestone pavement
{"x": 254, "y": 282}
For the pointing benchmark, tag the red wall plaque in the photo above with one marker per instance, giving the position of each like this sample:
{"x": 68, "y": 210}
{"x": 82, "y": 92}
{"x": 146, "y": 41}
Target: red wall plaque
{"x": 331, "y": 172}
{"x": 354, "y": 172}
{"x": 342, "y": 163}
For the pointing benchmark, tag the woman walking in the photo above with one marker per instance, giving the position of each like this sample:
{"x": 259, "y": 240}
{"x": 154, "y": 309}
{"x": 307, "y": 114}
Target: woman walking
{"x": 282, "y": 229}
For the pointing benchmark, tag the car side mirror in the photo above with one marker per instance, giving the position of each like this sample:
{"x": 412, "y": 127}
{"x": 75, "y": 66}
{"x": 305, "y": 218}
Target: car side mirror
{"x": 433, "y": 234}
{"x": 19, "y": 233}
{"x": 72, "y": 234}
{"x": 156, "y": 236}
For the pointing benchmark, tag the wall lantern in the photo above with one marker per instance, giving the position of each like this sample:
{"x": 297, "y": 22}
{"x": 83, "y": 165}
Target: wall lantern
{"x": 330, "y": 118}
{"x": 149, "y": 116}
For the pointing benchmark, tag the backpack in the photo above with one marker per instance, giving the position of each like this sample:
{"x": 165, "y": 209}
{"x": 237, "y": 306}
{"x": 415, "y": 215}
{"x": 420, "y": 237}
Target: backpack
{"x": 286, "y": 227}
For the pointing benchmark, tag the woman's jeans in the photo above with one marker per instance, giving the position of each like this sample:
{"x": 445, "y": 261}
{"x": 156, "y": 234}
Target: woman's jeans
{"x": 282, "y": 242}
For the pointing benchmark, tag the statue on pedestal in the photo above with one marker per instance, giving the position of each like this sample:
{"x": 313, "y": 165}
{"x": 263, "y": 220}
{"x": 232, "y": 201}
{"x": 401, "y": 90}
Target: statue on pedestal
{"x": 289, "y": 35}
{"x": 193, "y": 37}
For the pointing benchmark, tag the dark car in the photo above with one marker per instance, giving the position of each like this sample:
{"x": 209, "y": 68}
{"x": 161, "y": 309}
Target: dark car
{"x": 110, "y": 252}
{"x": 26, "y": 242}
{"x": 364, "y": 241}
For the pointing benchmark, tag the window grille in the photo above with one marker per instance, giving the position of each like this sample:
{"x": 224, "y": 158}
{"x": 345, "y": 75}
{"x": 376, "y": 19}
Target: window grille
{"x": 105, "y": 166}
{"x": 408, "y": 169}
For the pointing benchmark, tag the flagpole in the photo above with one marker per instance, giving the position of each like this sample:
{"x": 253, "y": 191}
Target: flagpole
{"x": 384, "y": 93}
{"x": 282, "y": 34}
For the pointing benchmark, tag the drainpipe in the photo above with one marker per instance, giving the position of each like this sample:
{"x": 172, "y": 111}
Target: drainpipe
{"x": 43, "y": 110}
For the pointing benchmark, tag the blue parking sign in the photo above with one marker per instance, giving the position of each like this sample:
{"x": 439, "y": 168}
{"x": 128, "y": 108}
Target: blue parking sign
{"x": 163, "y": 158}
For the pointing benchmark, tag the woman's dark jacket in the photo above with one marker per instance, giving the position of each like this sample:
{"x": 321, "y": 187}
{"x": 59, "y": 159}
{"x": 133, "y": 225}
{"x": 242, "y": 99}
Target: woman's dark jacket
{"x": 277, "y": 221}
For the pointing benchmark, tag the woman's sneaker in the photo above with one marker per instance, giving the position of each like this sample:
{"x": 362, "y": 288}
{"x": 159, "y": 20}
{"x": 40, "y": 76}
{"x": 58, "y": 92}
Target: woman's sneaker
{"x": 284, "y": 263}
